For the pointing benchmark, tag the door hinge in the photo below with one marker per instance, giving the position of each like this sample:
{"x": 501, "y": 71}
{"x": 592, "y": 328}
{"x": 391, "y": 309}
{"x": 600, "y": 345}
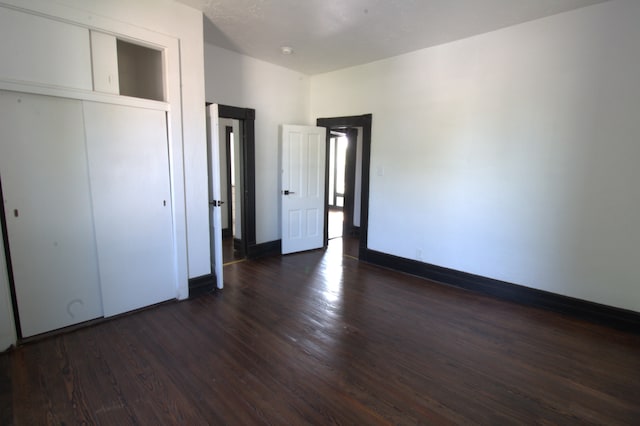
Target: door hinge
{"x": 216, "y": 203}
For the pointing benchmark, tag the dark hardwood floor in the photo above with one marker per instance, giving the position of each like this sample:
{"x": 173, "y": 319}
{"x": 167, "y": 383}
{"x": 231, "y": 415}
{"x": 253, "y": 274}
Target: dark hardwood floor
{"x": 350, "y": 245}
{"x": 320, "y": 338}
{"x": 229, "y": 254}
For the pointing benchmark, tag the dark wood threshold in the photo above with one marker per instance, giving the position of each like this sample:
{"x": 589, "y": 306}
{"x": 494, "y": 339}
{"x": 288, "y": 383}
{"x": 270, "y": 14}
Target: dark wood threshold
{"x": 202, "y": 285}
{"x": 618, "y": 318}
{"x": 271, "y": 248}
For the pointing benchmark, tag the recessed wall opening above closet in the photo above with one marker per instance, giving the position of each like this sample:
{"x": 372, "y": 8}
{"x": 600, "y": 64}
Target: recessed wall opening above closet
{"x": 140, "y": 71}
{"x": 125, "y": 68}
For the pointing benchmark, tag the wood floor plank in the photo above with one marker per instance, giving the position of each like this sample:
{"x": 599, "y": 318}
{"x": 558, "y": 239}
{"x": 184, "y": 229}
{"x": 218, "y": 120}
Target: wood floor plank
{"x": 6, "y": 402}
{"x": 320, "y": 338}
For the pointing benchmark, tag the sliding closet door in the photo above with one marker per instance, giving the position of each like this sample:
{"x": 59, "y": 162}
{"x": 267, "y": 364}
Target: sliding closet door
{"x": 129, "y": 174}
{"x": 43, "y": 168}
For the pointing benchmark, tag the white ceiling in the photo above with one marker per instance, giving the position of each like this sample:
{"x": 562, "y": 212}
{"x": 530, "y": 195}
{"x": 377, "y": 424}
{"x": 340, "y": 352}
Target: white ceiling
{"x": 331, "y": 34}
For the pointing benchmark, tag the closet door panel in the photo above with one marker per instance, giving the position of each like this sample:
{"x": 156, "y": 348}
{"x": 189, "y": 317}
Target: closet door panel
{"x": 129, "y": 173}
{"x": 43, "y": 168}
{"x": 44, "y": 51}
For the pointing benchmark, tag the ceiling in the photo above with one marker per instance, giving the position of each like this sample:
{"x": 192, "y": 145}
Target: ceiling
{"x": 327, "y": 35}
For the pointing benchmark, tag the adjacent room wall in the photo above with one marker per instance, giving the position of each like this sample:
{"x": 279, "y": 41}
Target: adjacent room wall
{"x": 224, "y": 197}
{"x": 512, "y": 155}
{"x": 237, "y": 171}
{"x": 279, "y": 96}
{"x": 357, "y": 190}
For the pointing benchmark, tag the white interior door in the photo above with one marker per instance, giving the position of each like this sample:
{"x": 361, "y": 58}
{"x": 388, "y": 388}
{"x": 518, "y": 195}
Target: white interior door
{"x": 43, "y": 168}
{"x": 215, "y": 205}
{"x": 303, "y": 150}
{"x": 129, "y": 172}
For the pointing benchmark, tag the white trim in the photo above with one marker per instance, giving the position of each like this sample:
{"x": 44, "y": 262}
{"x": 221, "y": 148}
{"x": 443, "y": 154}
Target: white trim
{"x": 79, "y": 94}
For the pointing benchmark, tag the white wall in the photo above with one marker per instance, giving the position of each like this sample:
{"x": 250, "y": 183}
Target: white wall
{"x": 279, "y": 96}
{"x": 512, "y": 155}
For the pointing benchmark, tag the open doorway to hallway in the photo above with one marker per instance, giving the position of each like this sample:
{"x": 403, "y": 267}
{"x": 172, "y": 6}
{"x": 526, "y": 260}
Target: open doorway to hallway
{"x": 231, "y": 189}
{"x": 343, "y": 202}
{"x": 236, "y": 137}
{"x": 337, "y": 153}
{"x": 347, "y": 182}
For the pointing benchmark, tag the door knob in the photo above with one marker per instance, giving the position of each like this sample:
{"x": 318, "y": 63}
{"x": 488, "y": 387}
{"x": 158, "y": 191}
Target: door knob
{"x": 287, "y": 192}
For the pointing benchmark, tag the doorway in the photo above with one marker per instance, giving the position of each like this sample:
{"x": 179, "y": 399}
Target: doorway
{"x": 339, "y": 145}
{"x": 233, "y": 247}
{"x": 237, "y": 181}
{"x": 347, "y": 182}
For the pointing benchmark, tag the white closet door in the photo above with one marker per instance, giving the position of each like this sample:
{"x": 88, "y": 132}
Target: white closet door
{"x": 129, "y": 173}
{"x": 44, "y": 51}
{"x": 43, "y": 168}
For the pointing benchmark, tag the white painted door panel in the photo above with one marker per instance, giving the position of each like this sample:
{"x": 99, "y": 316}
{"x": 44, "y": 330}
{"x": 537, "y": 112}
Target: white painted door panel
{"x": 43, "y": 169}
{"x": 129, "y": 173}
{"x": 303, "y": 151}
{"x": 44, "y": 51}
{"x": 215, "y": 213}
{"x": 104, "y": 61}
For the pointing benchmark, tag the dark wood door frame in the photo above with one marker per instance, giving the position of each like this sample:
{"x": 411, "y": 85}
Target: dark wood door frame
{"x": 247, "y": 117}
{"x": 363, "y": 121}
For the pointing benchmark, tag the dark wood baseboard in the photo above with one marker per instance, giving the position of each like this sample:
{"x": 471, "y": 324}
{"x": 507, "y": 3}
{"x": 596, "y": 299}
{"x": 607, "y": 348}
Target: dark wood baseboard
{"x": 201, "y": 285}
{"x": 618, "y": 318}
{"x": 271, "y": 248}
